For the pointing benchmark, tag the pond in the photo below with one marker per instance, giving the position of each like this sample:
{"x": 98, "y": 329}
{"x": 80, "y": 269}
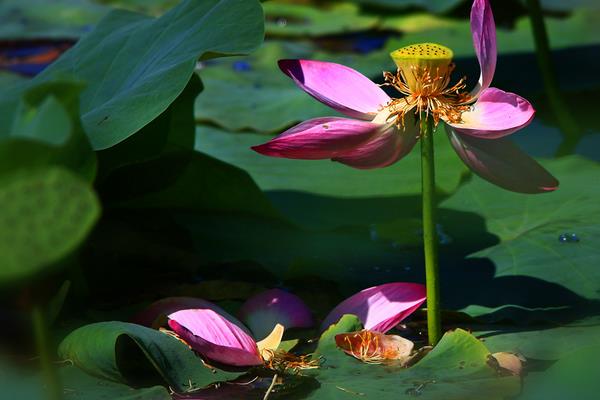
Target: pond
{"x": 234, "y": 199}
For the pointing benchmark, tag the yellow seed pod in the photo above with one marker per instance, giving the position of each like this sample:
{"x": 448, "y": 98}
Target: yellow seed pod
{"x": 416, "y": 58}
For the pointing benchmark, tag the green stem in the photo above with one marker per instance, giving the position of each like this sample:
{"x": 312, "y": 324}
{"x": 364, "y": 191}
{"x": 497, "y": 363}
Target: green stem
{"x": 567, "y": 124}
{"x": 52, "y": 383}
{"x": 430, "y": 239}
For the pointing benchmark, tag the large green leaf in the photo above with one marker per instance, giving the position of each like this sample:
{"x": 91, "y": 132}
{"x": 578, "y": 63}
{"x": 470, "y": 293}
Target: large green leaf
{"x": 18, "y": 384}
{"x": 529, "y": 230}
{"x": 79, "y": 385}
{"x": 46, "y": 214}
{"x": 172, "y": 130}
{"x": 574, "y": 377}
{"x": 457, "y": 368}
{"x": 60, "y": 19}
{"x": 137, "y": 356}
{"x": 305, "y": 20}
{"x": 45, "y": 130}
{"x": 576, "y": 30}
{"x": 559, "y": 5}
{"x": 431, "y": 5}
{"x": 253, "y": 87}
{"x": 326, "y": 177}
{"x": 136, "y": 66}
{"x": 541, "y": 342}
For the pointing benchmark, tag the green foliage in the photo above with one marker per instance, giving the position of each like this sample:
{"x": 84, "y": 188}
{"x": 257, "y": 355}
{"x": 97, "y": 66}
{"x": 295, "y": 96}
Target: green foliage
{"x": 46, "y": 214}
{"x": 326, "y": 177}
{"x": 145, "y": 63}
{"x": 327, "y": 347}
{"x": 573, "y": 377}
{"x": 457, "y": 368}
{"x": 541, "y": 342}
{"x": 260, "y": 96}
{"x": 137, "y": 356}
{"x": 430, "y": 5}
{"x": 528, "y": 229}
{"x": 60, "y": 19}
{"x": 300, "y": 20}
{"x": 45, "y": 130}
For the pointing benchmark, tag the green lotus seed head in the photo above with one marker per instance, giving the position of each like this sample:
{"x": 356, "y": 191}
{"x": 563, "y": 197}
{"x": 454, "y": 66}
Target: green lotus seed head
{"x": 432, "y": 57}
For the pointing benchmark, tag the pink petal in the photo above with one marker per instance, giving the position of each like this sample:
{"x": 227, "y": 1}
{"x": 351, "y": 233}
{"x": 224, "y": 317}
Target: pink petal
{"x": 382, "y": 307}
{"x": 337, "y": 86}
{"x": 264, "y": 310}
{"x": 483, "y": 29}
{"x": 384, "y": 149}
{"x": 502, "y": 163}
{"x": 155, "y": 313}
{"x": 319, "y": 138}
{"x": 495, "y": 114}
{"x": 216, "y": 338}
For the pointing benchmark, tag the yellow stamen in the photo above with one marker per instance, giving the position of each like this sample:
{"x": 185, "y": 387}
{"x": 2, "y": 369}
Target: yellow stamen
{"x": 423, "y": 77}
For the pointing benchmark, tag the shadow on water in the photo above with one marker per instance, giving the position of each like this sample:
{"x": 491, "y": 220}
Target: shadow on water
{"x": 465, "y": 281}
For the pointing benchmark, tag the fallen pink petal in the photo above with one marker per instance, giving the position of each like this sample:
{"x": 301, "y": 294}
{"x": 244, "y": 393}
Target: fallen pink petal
{"x": 216, "y": 338}
{"x": 380, "y": 308}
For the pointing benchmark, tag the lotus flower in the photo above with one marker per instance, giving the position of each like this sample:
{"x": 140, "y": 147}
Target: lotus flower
{"x": 382, "y": 130}
{"x": 222, "y": 339}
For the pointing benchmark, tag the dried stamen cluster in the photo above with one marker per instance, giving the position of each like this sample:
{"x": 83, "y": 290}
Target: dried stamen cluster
{"x": 282, "y": 361}
{"x": 365, "y": 346}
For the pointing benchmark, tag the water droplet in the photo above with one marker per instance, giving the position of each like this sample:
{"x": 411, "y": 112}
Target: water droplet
{"x": 281, "y": 22}
{"x": 376, "y": 268}
{"x": 415, "y": 391}
{"x": 443, "y": 238}
{"x": 568, "y": 237}
{"x": 241, "y": 66}
{"x": 373, "y": 232}
{"x": 407, "y": 268}
{"x": 200, "y": 65}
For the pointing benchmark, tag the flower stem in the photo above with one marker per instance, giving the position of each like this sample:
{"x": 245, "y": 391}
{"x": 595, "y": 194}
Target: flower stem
{"x": 566, "y": 122}
{"x": 430, "y": 240}
{"x": 52, "y": 383}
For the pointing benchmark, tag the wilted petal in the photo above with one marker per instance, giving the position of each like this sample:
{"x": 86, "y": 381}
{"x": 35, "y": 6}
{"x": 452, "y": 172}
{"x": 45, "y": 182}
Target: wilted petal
{"x": 502, "y": 163}
{"x": 384, "y": 149}
{"x": 268, "y": 345}
{"x": 483, "y": 29}
{"x": 374, "y": 347}
{"x": 340, "y": 87}
{"x": 509, "y": 362}
{"x": 155, "y": 315}
{"x": 266, "y": 309}
{"x": 214, "y": 337}
{"x": 319, "y": 138}
{"x": 382, "y": 307}
{"x": 495, "y": 114}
